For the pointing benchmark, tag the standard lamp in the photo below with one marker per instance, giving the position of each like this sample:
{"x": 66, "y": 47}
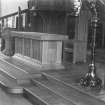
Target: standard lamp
{"x": 90, "y": 79}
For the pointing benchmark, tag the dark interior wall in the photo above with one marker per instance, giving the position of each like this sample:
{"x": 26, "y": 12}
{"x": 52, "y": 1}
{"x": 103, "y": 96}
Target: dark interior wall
{"x": 37, "y": 24}
{"x": 71, "y": 20}
{"x": 49, "y": 22}
{"x": 56, "y": 23}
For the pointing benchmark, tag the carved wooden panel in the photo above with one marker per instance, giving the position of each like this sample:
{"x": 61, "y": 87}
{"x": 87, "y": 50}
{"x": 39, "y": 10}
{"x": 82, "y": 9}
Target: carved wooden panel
{"x": 52, "y": 52}
{"x": 36, "y": 50}
{"x": 27, "y": 46}
{"x": 18, "y": 45}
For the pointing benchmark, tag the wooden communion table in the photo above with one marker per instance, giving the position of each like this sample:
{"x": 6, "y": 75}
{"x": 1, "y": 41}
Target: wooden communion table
{"x": 44, "y": 49}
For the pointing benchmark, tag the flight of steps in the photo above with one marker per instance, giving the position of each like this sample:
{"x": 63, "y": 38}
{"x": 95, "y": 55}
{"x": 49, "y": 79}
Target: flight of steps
{"x": 12, "y": 78}
{"x": 17, "y": 77}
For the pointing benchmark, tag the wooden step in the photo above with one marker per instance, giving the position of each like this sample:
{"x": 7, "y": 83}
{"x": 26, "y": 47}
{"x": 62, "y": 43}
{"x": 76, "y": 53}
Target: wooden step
{"x": 72, "y": 79}
{"x": 67, "y": 92}
{"x": 41, "y": 95}
{"x": 14, "y": 72}
{"x": 27, "y": 67}
{"x": 31, "y": 69}
{"x": 10, "y": 86}
{"x": 11, "y": 67}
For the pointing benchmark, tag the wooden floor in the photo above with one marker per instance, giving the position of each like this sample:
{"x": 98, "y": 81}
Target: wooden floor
{"x": 55, "y": 87}
{"x": 8, "y": 99}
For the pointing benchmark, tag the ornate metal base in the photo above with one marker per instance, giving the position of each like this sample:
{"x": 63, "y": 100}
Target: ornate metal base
{"x": 91, "y": 80}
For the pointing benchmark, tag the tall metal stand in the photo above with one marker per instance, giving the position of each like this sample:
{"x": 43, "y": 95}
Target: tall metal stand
{"x": 90, "y": 79}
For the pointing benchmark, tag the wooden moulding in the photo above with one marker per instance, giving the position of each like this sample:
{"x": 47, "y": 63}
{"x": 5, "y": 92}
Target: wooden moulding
{"x": 38, "y": 36}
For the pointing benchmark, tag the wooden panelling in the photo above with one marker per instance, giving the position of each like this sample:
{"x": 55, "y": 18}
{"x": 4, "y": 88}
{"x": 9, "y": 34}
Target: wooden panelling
{"x": 56, "y": 23}
{"x": 36, "y": 48}
{"x": 27, "y": 46}
{"x": 52, "y": 52}
{"x": 59, "y": 52}
{"x": 81, "y": 26}
{"x": 18, "y": 45}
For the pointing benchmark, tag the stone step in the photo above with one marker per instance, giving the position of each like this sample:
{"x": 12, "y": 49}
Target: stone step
{"x": 66, "y": 91}
{"x": 9, "y": 85}
{"x": 40, "y": 95}
{"x": 9, "y": 70}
